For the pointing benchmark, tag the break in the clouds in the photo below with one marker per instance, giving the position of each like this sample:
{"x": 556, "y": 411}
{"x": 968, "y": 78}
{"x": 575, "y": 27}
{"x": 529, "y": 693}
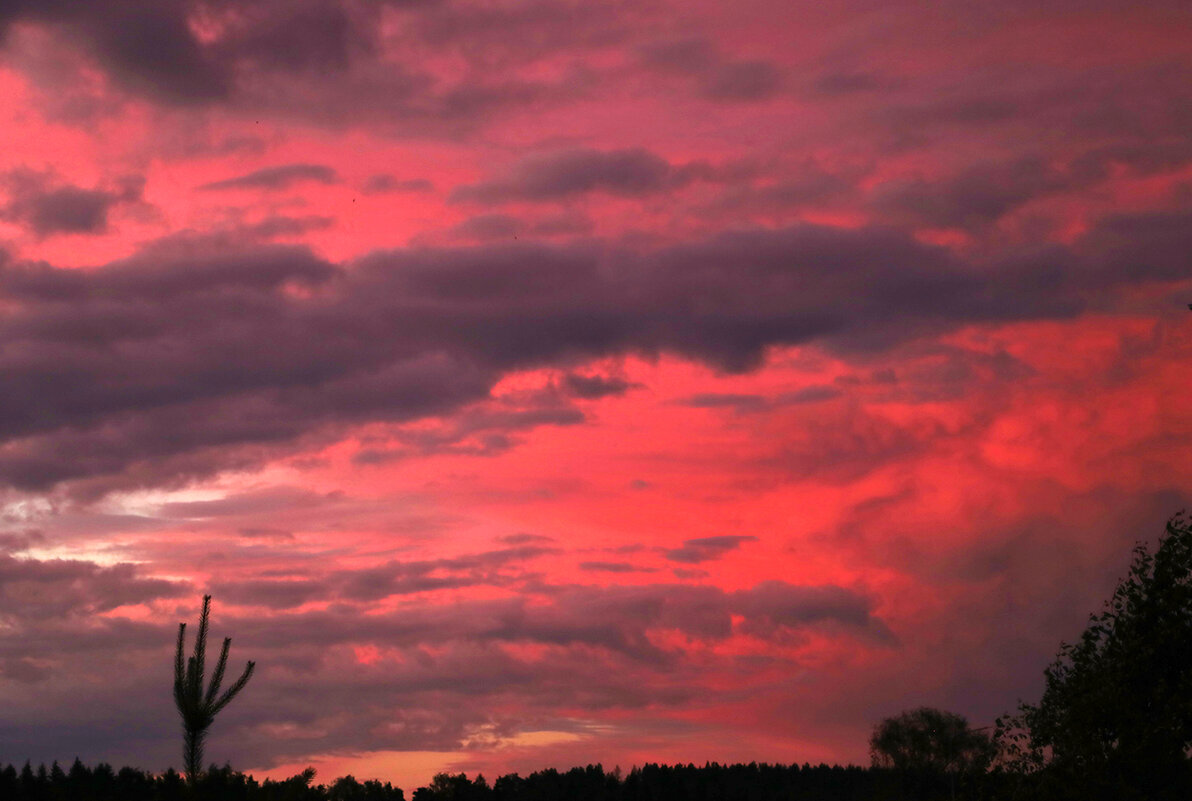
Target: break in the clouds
{"x": 549, "y": 383}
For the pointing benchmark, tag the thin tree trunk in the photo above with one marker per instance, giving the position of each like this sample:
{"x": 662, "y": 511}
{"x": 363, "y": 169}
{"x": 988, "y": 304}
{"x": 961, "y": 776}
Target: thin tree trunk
{"x": 192, "y": 754}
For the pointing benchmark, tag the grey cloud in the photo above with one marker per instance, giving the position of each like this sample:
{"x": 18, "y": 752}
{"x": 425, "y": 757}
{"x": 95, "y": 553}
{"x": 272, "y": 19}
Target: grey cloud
{"x": 597, "y": 566}
{"x": 748, "y": 403}
{"x": 720, "y": 400}
{"x": 776, "y": 604}
{"x": 326, "y": 63}
{"x": 33, "y": 589}
{"x": 174, "y": 361}
{"x": 706, "y": 549}
{"x": 717, "y": 78}
{"x": 152, "y": 48}
{"x": 743, "y": 81}
{"x": 523, "y": 538}
{"x": 591, "y": 387}
{"x": 147, "y": 47}
{"x": 616, "y": 618}
{"x": 688, "y": 55}
{"x": 296, "y": 36}
{"x": 482, "y": 430}
{"x": 383, "y": 182}
{"x": 23, "y": 670}
{"x": 978, "y": 195}
{"x": 271, "y": 593}
{"x": 281, "y": 225}
{"x": 564, "y": 224}
{"x": 812, "y": 394}
{"x": 404, "y": 578}
{"x": 275, "y": 178}
{"x": 50, "y": 207}
{"x": 629, "y": 172}
{"x": 488, "y": 226}
{"x": 17, "y": 541}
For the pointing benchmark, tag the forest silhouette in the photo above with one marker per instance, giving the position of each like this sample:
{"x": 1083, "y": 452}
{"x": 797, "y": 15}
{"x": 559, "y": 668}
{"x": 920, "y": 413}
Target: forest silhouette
{"x": 1114, "y": 723}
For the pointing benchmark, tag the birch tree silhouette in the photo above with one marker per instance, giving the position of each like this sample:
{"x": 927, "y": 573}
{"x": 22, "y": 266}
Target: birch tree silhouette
{"x": 199, "y": 706}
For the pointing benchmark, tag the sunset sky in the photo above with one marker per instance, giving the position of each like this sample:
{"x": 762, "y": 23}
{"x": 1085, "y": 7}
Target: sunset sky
{"x": 545, "y": 383}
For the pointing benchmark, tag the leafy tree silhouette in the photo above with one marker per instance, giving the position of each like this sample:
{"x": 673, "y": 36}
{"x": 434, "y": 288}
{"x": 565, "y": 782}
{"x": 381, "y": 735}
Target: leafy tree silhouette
{"x": 927, "y": 745}
{"x": 1115, "y": 719}
{"x": 199, "y": 706}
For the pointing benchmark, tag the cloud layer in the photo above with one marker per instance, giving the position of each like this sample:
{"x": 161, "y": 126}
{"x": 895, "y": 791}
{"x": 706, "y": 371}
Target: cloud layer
{"x": 538, "y": 383}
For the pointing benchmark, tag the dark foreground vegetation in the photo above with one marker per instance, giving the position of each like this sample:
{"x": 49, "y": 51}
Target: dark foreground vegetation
{"x": 711, "y": 782}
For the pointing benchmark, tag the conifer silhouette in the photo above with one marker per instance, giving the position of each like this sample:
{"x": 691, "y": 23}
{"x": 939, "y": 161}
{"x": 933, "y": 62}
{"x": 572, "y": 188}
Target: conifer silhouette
{"x": 197, "y": 706}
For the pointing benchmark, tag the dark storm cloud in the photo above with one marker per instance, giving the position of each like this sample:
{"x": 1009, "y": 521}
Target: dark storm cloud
{"x": 49, "y": 207}
{"x": 281, "y": 177}
{"x": 706, "y": 549}
{"x": 629, "y": 172}
{"x": 172, "y": 363}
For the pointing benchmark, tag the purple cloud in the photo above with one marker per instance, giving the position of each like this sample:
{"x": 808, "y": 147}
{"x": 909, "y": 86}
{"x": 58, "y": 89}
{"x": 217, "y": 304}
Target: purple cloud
{"x": 276, "y": 178}
{"x": 706, "y": 549}
{"x": 49, "y": 207}
{"x": 158, "y": 369}
{"x": 629, "y": 172}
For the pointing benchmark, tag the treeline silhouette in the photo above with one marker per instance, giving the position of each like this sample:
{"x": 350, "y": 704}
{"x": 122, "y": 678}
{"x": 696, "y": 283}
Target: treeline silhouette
{"x": 712, "y": 782}
{"x": 104, "y": 783}
{"x": 651, "y": 782}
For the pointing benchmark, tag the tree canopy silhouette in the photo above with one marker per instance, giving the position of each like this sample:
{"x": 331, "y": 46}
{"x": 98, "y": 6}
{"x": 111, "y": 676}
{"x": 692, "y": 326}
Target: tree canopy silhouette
{"x": 197, "y": 705}
{"x": 1115, "y": 719}
{"x": 930, "y": 740}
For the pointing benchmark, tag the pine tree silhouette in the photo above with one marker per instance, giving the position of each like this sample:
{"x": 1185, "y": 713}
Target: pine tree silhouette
{"x": 198, "y": 707}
